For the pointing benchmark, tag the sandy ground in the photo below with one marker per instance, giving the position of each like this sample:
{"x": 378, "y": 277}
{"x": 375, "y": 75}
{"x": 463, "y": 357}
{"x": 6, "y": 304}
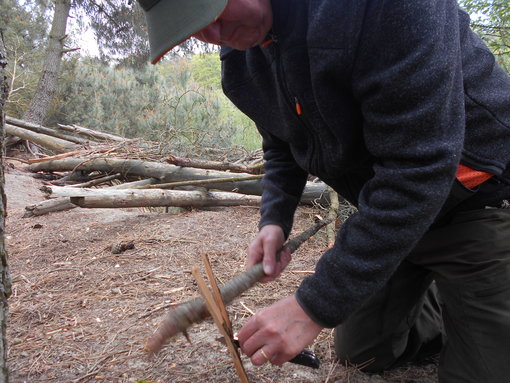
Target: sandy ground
{"x": 79, "y": 313}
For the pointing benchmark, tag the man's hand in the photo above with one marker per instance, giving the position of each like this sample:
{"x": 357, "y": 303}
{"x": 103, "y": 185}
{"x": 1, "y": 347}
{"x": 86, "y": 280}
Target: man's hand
{"x": 278, "y": 333}
{"x": 264, "y": 247}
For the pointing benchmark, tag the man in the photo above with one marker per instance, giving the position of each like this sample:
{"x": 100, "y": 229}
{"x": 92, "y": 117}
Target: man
{"x": 402, "y": 110}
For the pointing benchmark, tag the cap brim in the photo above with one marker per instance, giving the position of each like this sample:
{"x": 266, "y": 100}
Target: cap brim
{"x": 171, "y": 22}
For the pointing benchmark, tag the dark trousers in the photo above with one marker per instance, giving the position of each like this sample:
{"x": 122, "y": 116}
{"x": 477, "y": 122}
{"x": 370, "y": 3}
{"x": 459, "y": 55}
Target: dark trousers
{"x": 452, "y": 294}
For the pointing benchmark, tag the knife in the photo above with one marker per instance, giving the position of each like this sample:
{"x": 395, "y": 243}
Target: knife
{"x": 305, "y": 358}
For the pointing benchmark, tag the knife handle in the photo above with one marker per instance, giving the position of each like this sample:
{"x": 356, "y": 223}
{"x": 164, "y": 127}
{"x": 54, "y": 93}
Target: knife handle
{"x": 306, "y": 358}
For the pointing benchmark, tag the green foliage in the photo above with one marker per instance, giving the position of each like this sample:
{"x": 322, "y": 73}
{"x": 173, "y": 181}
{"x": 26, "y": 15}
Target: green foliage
{"x": 119, "y": 28}
{"x": 24, "y": 30}
{"x": 491, "y": 20}
{"x": 161, "y": 103}
{"x": 207, "y": 69}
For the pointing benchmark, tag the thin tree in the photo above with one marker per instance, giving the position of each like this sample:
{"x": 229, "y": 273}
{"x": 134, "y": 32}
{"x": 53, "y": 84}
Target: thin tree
{"x": 41, "y": 101}
{"x": 4, "y": 273}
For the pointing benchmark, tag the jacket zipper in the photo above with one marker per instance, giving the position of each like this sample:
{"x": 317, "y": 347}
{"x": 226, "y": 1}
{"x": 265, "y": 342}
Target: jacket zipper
{"x": 296, "y": 111}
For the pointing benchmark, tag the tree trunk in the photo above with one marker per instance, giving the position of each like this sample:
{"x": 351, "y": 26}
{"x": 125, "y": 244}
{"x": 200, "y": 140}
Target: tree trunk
{"x": 4, "y": 272}
{"x": 104, "y": 198}
{"x": 48, "y": 82}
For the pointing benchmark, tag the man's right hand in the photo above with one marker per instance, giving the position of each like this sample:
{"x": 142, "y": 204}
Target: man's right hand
{"x": 264, "y": 247}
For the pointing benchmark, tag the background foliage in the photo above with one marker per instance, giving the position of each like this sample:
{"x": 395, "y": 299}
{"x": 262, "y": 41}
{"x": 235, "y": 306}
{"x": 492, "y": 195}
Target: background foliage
{"x": 168, "y": 102}
{"x": 491, "y": 20}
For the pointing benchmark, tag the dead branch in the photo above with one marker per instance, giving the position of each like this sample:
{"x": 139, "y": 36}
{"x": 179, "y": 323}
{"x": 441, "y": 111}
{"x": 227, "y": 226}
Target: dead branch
{"x": 216, "y": 165}
{"x": 194, "y": 311}
{"x": 97, "y": 181}
{"x": 52, "y": 143}
{"x": 200, "y": 182}
{"x": 101, "y": 136}
{"x": 55, "y": 157}
{"x": 42, "y": 130}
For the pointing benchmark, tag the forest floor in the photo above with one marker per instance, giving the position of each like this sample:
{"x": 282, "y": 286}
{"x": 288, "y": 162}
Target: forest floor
{"x": 79, "y": 313}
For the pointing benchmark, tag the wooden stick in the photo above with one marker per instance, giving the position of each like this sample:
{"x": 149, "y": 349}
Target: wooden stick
{"x": 96, "y": 181}
{"x": 195, "y": 311}
{"x": 170, "y": 185}
{"x": 216, "y": 293}
{"x": 56, "y": 157}
{"x": 215, "y": 312}
{"x": 215, "y": 165}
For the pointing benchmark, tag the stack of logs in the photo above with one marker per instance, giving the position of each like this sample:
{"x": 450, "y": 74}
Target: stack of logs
{"x": 83, "y": 161}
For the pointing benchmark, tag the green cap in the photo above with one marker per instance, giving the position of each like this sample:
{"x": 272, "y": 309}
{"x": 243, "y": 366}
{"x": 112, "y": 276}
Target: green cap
{"x": 170, "y": 22}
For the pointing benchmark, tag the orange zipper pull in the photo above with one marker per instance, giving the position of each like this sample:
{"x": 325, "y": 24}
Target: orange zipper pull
{"x": 299, "y": 111}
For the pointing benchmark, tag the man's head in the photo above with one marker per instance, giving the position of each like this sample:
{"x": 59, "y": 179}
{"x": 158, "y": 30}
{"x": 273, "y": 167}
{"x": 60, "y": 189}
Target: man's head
{"x": 240, "y": 24}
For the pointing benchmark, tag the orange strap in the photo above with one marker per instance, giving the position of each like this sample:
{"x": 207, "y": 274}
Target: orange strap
{"x": 471, "y": 178}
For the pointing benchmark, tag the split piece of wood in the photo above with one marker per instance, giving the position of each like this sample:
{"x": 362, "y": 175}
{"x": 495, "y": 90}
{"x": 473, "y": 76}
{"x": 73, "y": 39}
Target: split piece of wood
{"x": 216, "y": 308}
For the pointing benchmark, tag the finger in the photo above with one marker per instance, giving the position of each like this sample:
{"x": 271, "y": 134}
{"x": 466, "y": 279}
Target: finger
{"x": 263, "y": 355}
{"x": 285, "y": 258}
{"x": 246, "y": 333}
{"x": 271, "y": 246}
{"x": 255, "y": 253}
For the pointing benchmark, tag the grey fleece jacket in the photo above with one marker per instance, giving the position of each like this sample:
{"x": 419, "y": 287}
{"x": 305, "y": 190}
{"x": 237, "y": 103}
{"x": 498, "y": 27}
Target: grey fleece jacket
{"x": 393, "y": 95}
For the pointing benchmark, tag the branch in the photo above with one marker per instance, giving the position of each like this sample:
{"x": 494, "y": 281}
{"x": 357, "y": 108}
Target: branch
{"x": 194, "y": 311}
{"x": 216, "y": 165}
{"x": 70, "y": 50}
{"x": 200, "y": 182}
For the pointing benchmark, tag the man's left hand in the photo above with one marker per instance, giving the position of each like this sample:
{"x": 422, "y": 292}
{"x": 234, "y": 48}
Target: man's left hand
{"x": 278, "y": 333}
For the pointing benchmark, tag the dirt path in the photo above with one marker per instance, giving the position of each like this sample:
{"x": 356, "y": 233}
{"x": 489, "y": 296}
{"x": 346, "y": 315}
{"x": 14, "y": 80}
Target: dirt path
{"x": 79, "y": 313}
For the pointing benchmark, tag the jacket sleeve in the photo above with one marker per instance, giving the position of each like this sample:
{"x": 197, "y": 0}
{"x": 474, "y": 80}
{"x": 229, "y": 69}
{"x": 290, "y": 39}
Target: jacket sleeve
{"x": 407, "y": 78}
{"x": 283, "y": 184}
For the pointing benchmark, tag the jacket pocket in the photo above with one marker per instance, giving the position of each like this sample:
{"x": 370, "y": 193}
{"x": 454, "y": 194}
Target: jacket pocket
{"x": 459, "y": 193}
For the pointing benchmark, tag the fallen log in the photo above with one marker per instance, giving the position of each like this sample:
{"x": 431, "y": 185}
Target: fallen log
{"x": 101, "y": 136}
{"x": 104, "y": 198}
{"x": 170, "y": 173}
{"x": 43, "y": 130}
{"x": 64, "y": 203}
{"x": 194, "y": 311}
{"x": 48, "y": 206}
{"x": 52, "y": 143}
{"x": 215, "y": 165}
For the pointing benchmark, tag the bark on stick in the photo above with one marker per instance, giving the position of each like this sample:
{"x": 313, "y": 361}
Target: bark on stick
{"x": 183, "y": 316}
